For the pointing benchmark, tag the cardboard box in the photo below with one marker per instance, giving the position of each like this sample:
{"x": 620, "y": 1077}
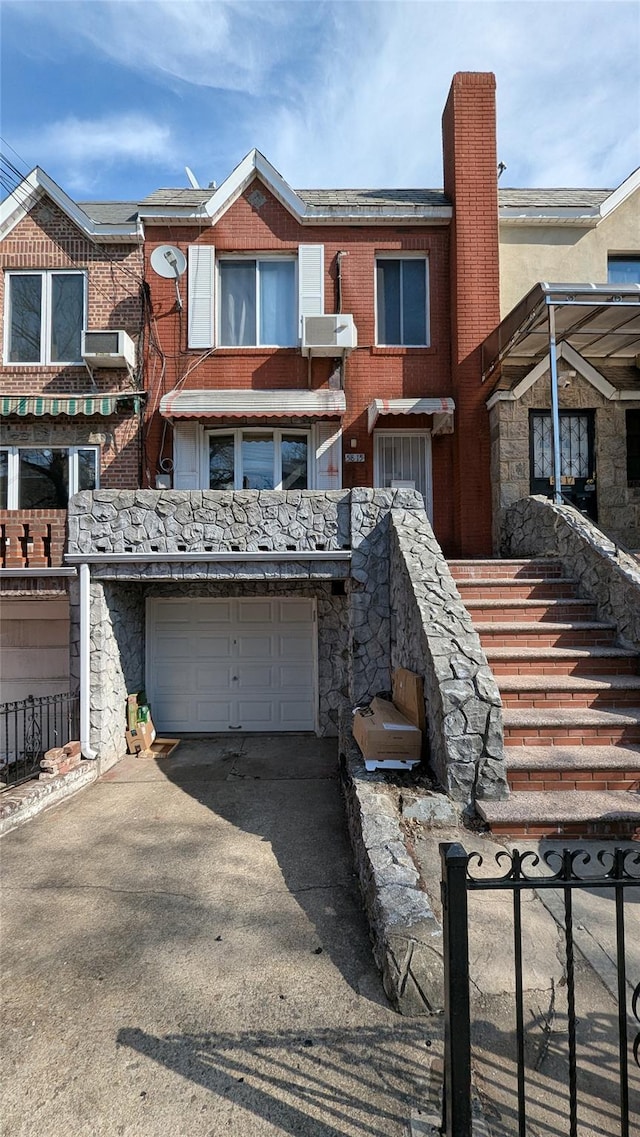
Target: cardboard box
{"x": 141, "y": 738}
{"x": 132, "y": 711}
{"x": 161, "y": 748}
{"x": 384, "y": 734}
{"x": 408, "y": 696}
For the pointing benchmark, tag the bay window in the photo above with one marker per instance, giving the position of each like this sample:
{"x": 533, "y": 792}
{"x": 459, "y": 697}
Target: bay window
{"x": 36, "y": 477}
{"x": 258, "y": 460}
{"x": 258, "y": 302}
{"x": 44, "y": 317}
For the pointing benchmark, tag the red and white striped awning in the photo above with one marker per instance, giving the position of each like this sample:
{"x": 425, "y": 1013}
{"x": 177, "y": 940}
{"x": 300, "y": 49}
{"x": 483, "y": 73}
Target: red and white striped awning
{"x": 442, "y": 409}
{"x": 286, "y": 404}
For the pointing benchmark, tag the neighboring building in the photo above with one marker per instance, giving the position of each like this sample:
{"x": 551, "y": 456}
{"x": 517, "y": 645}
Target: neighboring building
{"x": 69, "y": 414}
{"x": 569, "y": 238}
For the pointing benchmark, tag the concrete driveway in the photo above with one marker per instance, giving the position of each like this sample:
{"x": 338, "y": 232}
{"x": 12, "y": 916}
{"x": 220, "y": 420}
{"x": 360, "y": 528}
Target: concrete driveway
{"x": 184, "y": 952}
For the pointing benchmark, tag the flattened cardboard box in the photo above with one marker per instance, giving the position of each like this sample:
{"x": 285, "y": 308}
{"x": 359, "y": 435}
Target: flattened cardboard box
{"x": 408, "y": 696}
{"x": 385, "y": 733}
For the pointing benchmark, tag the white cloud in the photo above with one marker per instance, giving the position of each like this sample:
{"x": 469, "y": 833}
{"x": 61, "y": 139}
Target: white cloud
{"x": 82, "y": 147}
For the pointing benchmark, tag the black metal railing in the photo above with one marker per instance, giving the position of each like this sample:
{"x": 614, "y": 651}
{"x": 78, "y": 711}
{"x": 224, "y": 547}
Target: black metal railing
{"x": 616, "y": 869}
{"x": 30, "y": 727}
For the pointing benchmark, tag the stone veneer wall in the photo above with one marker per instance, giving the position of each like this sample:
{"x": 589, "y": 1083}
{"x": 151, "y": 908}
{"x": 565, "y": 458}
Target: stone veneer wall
{"x": 432, "y": 634}
{"x": 200, "y": 521}
{"x": 535, "y": 527}
{"x": 618, "y": 503}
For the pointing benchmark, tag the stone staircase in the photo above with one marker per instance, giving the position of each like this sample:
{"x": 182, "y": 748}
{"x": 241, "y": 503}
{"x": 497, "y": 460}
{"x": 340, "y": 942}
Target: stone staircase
{"x": 571, "y": 702}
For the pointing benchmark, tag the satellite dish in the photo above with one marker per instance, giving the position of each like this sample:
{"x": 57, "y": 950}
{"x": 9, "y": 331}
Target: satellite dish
{"x": 192, "y": 178}
{"x": 168, "y": 261}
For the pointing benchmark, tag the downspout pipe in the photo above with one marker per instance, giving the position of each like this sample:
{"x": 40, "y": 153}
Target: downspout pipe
{"x": 85, "y": 663}
{"x": 555, "y": 408}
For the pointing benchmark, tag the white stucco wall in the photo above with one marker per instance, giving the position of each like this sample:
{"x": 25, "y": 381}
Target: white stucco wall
{"x": 564, "y": 253}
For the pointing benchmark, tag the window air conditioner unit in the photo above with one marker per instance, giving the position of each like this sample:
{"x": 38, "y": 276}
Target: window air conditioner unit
{"x": 108, "y": 349}
{"x": 328, "y": 335}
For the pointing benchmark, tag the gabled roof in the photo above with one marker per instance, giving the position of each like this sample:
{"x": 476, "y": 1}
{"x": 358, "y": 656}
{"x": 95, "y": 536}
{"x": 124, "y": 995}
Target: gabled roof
{"x": 582, "y": 207}
{"x": 18, "y": 204}
{"x": 618, "y": 384}
{"x": 307, "y": 206}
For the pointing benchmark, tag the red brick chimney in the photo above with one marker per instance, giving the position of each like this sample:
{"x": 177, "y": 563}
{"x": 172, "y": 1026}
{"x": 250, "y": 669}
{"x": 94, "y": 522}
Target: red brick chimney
{"x": 471, "y": 183}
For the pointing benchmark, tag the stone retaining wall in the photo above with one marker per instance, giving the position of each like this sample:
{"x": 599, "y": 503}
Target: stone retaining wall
{"x": 432, "y": 634}
{"x": 200, "y": 521}
{"x": 536, "y": 527}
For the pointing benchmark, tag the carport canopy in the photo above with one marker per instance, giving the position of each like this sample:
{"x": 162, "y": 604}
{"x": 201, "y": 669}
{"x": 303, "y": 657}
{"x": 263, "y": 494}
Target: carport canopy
{"x": 600, "y": 321}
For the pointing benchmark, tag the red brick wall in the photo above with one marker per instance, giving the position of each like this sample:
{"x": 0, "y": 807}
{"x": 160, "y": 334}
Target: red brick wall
{"x": 47, "y": 239}
{"x": 470, "y": 180}
{"x": 370, "y": 371}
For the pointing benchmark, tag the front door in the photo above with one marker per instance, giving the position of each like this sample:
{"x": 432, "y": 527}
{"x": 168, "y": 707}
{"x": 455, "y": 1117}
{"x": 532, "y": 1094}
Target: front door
{"x": 402, "y": 460}
{"x": 577, "y": 462}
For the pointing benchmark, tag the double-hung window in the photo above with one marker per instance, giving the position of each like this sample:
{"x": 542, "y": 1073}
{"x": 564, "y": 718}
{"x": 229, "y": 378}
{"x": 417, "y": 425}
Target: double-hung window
{"x": 36, "y": 477}
{"x": 258, "y": 302}
{"x": 259, "y": 460}
{"x": 402, "y": 301}
{"x": 44, "y": 317}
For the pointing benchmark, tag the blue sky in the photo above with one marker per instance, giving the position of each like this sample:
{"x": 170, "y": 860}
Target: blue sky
{"x": 113, "y": 98}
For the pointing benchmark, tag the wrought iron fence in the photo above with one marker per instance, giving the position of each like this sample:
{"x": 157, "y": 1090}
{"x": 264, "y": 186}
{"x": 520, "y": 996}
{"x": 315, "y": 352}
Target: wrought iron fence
{"x": 30, "y": 727}
{"x": 616, "y": 869}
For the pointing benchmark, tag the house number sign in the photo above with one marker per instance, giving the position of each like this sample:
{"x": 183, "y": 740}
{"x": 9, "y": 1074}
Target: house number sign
{"x": 354, "y": 457}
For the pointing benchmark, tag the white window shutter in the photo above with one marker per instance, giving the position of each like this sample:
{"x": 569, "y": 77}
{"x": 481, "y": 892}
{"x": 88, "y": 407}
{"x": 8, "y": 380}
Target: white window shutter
{"x": 186, "y": 456}
{"x": 328, "y": 456}
{"x": 310, "y": 281}
{"x": 201, "y": 268}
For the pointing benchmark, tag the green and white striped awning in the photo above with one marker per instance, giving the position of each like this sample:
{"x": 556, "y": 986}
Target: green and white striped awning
{"x": 67, "y": 405}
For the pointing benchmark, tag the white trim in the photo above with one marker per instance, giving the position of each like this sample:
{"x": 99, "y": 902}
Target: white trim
{"x": 426, "y": 434}
{"x": 624, "y": 190}
{"x": 46, "y": 275}
{"x": 13, "y": 469}
{"x": 19, "y": 203}
{"x": 214, "y": 556}
{"x": 237, "y": 434}
{"x": 253, "y": 165}
{"x": 571, "y": 356}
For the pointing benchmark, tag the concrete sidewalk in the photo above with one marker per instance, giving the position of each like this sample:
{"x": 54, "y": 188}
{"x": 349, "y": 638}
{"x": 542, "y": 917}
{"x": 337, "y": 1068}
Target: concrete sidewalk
{"x": 184, "y": 953}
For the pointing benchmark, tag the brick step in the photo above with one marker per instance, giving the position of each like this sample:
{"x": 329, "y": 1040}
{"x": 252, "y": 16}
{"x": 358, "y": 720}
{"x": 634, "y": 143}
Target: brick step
{"x": 562, "y": 661}
{"x": 506, "y": 569}
{"x": 569, "y": 691}
{"x": 573, "y": 727}
{"x": 569, "y": 813}
{"x": 527, "y": 588}
{"x": 584, "y": 768}
{"x": 575, "y": 633}
{"x": 549, "y": 611}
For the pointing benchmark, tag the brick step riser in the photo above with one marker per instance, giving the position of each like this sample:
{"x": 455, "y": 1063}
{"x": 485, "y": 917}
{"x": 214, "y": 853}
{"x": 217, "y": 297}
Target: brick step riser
{"x": 536, "y": 780}
{"x": 548, "y": 638}
{"x": 567, "y": 700}
{"x": 536, "y": 615}
{"x": 501, "y": 571}
{"x": 583, "y": 669}
{"x": 517, "y": 592}
{"x": 572, "y": 736}
{"x": 599, "y": 830}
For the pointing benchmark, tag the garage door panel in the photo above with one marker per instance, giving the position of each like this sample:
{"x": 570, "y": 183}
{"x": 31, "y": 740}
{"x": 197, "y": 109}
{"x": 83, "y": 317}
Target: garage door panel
{"x": 292, "y": 612}
{"x": 255, "y": 611}
{"x": 246, "y": 664}
{"x": 208, "y": 646}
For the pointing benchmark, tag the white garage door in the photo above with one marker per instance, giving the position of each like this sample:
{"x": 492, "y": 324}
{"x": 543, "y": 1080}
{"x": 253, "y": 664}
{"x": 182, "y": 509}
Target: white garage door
{"x": 236, "y": 664}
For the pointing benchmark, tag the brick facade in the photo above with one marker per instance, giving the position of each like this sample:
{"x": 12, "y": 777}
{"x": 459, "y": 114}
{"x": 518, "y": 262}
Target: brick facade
{"x": 47, "y": 239}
